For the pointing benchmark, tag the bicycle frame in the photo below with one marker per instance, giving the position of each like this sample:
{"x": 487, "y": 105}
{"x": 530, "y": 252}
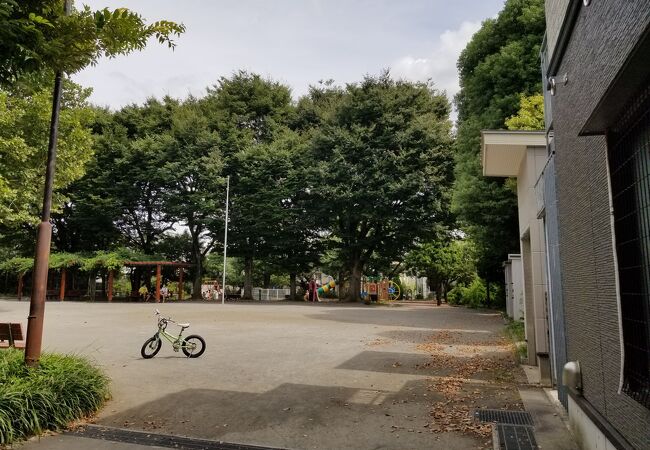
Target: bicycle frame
{"x": 176, "y": 341}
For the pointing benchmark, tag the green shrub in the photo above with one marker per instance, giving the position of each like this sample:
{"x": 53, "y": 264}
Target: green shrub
{"x": 62, "y": 389}
{"x": 515, "y": 330}
{"x": 475, "y": 294}
{"x": 455, "y": 295}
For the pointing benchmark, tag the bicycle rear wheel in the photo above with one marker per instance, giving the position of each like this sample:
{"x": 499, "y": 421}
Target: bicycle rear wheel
{"x": 151, "y": 347}
{"x": 193, "y": 346}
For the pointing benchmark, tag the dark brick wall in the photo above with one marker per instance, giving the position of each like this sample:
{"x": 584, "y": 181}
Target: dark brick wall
{"x": 603, "y": 37}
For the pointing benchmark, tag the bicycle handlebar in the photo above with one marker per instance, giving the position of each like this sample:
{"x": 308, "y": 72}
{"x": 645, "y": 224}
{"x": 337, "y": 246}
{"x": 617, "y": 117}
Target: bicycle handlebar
{"x": 165, "y": 319}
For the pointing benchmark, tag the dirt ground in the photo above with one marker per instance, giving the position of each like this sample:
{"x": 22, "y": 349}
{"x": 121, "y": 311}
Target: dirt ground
{"x": 299, "y": 376}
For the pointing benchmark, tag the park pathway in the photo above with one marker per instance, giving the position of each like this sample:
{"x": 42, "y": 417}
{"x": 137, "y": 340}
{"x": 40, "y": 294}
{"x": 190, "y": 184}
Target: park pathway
{"x": 297, "y": 376}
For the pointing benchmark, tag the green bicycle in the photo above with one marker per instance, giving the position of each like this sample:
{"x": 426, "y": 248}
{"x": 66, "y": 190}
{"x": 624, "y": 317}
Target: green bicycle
{"x": 192, "y": 346}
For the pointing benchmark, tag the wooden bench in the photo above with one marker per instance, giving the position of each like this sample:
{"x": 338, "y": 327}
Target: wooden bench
{"x": 11, "y": 335}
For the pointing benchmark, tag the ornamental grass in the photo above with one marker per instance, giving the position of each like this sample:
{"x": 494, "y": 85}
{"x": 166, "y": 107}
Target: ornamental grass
{"x": 63, "y": 389}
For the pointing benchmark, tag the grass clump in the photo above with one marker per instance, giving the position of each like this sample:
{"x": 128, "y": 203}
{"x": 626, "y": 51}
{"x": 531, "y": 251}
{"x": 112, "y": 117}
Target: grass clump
{"x": 61, "y": 390}
{"x": 515, "y": 331}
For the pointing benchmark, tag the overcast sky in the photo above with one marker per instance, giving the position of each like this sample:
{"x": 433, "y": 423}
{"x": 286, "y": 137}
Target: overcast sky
{"x": 297, "y": 42}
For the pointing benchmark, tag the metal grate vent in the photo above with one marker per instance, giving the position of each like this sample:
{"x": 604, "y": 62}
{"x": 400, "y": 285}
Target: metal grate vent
{"x": 516, "y": 437}
{"x": 158, "y": 440}
{"x": 629, "y": 163}
{"x": 503, "y": 416}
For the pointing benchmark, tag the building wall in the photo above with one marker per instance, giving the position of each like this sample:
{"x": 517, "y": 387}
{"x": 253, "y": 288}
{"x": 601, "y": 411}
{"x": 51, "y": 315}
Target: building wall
{"x": 517, "y": 287}
{"x": 555, "y": 300}
{"x": 555, "y": 12}
{"x": 604, "y": 35}
{"x": 529, "y": 305}
{"x": 507, "y": 271}
{"x": 531, "y": 230}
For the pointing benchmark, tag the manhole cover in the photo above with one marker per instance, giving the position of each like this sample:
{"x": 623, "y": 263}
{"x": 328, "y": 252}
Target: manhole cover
{"x": 516, "y": 437}
{"x": 503, "y": 416}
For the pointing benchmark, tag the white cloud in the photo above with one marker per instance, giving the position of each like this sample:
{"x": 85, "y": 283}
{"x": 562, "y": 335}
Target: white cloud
{"x": 439, "y": 64}
{"x": 297, "y": 42}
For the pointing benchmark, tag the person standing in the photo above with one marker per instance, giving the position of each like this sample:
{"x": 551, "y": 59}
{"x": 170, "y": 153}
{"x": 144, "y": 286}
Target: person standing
{"x": 144, "y": 292}
{"x": 217, "y": 290}
{"x": 312, "y": 290}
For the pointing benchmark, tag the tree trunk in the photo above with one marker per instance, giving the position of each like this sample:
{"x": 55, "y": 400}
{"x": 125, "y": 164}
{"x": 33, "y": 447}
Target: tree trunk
{"x": 487, "y": 300}
{"x": 433, "y": 286}
{"x": 198, "y": 278}
{"x": 339, "y": 286}
{"x": 439, "y": 294}
{"x": 146, "y": 274}
{"x": 354, "y": 295}
{"x": 248, "y": 277}
{"x": 267, "y": 280}
{"x": 198, "y": 266}
{"x": 292, "y": 286}
{"x": 135, "y": 280}
{"x": 91, "y": 285}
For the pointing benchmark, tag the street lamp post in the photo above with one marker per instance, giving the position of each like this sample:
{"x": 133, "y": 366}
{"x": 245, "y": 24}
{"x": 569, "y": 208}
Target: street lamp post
{"x": 44, "y": 235}
{"x": 225, "y": 243}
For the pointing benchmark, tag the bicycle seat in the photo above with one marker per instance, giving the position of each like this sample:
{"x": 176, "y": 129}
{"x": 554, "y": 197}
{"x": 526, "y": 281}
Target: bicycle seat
{"x": 183, "y": 325}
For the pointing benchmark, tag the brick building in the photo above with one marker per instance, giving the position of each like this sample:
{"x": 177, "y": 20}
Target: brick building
{"x": 593, "y": 194}
{"x": 596, "y": 66}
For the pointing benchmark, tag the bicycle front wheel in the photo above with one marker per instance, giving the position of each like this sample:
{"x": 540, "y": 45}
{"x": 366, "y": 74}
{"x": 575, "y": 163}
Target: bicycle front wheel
{"x": 151, "y": 347}
{"x": 193, "y": 346}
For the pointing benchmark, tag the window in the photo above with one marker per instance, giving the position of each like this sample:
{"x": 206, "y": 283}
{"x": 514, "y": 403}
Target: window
{"x": 629, "y": 163}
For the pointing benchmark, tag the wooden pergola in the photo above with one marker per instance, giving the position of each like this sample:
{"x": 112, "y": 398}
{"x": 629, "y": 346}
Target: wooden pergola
{"x": 158, "y": 265}
{"x": 111, "y": 271}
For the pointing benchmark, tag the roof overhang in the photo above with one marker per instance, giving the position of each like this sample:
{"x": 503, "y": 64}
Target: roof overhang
{"x": 503, "y": 151}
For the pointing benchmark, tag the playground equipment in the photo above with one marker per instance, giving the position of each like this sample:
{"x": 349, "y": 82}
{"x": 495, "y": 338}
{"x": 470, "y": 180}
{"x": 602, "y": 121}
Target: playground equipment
{"x": 376, "y": 288}
{"x": 324, "y": 289}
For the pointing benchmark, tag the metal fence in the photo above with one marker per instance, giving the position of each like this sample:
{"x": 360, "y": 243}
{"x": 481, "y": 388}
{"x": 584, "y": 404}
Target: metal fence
{"x": 270, "y": 294}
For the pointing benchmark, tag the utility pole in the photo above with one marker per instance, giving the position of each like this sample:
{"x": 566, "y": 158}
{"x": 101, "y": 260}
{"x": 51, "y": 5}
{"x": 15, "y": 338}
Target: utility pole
{"x": 225, "y": 243}
{"x": 44, "y": 234}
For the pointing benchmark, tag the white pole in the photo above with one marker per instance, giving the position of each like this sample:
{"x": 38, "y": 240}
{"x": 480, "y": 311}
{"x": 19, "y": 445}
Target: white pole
{"x": 225, "y": 243}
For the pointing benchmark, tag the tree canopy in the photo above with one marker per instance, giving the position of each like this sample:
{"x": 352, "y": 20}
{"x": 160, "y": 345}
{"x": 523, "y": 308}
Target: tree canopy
{"x": 25, "y": 111}
{"x": 499, "y": 65}
{"x": 382, "y": 169}
{"x": 35, "y": 35}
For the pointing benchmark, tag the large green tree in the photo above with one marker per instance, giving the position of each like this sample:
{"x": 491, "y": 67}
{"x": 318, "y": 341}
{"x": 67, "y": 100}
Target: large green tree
{"x": 36, "y": 40}
{"x": 500, "y": 63}
{"x": 382, "y": 169}
{"x": 445, "y": 261}
{"x": 25, "y": 111}
{"x": 279, "y": 217}
{"x": 157, "y": 169}
{"x": 120, "y": 200}
{"x": 195, "y": 192}
{"x": 35, "y": 35}
{"x": 248, "y": 112}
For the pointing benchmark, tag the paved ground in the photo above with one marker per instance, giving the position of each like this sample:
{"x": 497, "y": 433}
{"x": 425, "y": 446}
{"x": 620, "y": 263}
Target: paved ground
{"x": 299, "y": 376}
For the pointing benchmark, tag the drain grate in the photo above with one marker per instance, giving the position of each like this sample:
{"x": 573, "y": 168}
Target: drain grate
{"x": 503, "y": 416}
{"x": 159, "y": 440}
{"x": 516, "y": 437}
